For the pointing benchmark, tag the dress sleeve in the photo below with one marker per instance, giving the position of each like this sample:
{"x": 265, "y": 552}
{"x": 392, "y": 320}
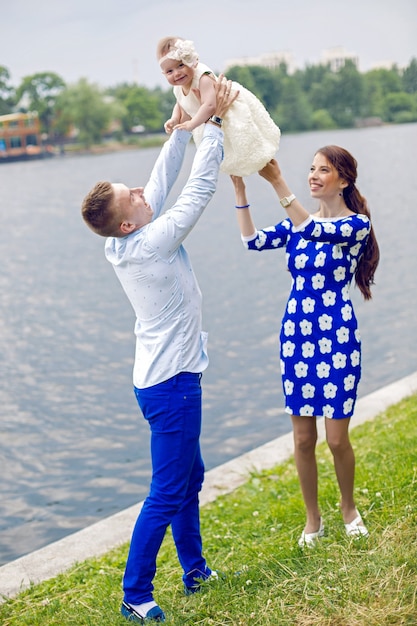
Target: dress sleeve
{"x": 269, "y": 238}
{"x": 165, "y": 171}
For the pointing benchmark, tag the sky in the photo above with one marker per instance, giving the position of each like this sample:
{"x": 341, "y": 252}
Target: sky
{"x": 109, "y": 42}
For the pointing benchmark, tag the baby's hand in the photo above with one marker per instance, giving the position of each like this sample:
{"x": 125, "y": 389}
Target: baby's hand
{"x": 188, "y": 125}
{"x": 170, "y": 125}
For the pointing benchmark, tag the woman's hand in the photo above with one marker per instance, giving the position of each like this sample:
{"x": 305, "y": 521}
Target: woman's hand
{"x": 240, "y": 190}
{"x": 271, "y": 172}
{"x": 238, "y": 183}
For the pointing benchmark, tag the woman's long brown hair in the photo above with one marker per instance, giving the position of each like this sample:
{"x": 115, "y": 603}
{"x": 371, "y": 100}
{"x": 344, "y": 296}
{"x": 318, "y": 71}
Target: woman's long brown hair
{"x": 346, "y": 166}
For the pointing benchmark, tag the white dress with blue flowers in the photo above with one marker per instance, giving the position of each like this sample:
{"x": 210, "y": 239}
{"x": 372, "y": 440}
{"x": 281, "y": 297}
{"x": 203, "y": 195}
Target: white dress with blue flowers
{"x": 320, "y": 342}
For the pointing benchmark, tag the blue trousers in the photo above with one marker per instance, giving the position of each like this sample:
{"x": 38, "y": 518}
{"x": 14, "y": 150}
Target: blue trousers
{"x": 173, "y": 410}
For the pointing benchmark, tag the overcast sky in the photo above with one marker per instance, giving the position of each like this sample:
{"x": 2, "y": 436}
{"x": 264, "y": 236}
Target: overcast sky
{"x": 113, "y": 41}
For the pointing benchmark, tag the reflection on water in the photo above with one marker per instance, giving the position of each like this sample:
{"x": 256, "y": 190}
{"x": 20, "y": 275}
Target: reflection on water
{"x": 73, "y": 446}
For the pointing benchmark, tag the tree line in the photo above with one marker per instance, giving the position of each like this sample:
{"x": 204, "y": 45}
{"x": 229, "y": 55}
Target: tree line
{"x": 315, "y": 98}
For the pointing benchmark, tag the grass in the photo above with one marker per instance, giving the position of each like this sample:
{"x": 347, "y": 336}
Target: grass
{"x": 251, "y": 536}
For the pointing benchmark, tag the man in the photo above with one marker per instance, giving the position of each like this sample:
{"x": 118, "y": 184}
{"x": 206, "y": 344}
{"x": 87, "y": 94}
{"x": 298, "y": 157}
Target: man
{"x": 145, "y": 248}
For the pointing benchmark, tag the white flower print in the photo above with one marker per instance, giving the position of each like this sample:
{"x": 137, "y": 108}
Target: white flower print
{"x": 328, "y": 411}
{"x": 307, "y": 410}
{"x": 306, "y": 327}
{"x": 318, "y": 281}
{"x": 302, "y": 244}
{"x": 345, "y": 292}
{"x": 346, "y": 229}
{"x": 308, "y": 349}
{"x": 300, "y": 261}
{"x": 339, "y": 360}
{"x": 346, "y": 312}
{"x": 349, "y": 382}
{"x": 323, "y": 370}
{"x": 329, "y": 228}
{"x": 354, "y": 250}
{"x": 325, "y": 345}
{"x": 353, "y": 265}
{"x": 276, "y": 242}
{"x": 300, "y": 283}
{"x": 361, "y": 234}
{"x": 308, "y": 305}
{"x": 342, "y": 334}
{"x": 355, "y": 358}
{"x": 325, "y": 322}
{"x": 260, "y": 242}
{"x": 292, "y": 305}
{"x": 288, "y": 387}
{"x": 289, "y": 328}
{"x": 282, "y": 366}
{"x": 330, "y": 390}
{"x": 347, "y": 406}
{"x": 320, "y": 259}
{"x": 329, "y": 298}
{"x": 339, "y": 273}
{"x": 316, "y": 230}
{"x": 301, "y": 369}
{"x": 308, "y": 391}
{"x": 337, "y": 252}
{"x": 288, "y": 348}
{"x": 357, "y": 335}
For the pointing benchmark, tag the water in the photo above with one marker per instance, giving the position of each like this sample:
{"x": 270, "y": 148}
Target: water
{"x": 73, "y": 446}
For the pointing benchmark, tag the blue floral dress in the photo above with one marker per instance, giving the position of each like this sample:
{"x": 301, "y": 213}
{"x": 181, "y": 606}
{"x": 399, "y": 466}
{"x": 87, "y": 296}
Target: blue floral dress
{"x": 320, "y": 342}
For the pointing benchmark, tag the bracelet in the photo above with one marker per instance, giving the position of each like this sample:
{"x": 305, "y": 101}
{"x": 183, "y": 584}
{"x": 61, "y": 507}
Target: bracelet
{"x": 244, "y": 206}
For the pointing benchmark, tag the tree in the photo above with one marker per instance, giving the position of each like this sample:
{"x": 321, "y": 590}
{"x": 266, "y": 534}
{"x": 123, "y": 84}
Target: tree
{"x": 83, "y": 107}
{"x": 6, "y": 92}
{"x": 39, "y": 92}
{"x": 142, "y": 107}
{"x": 266, "y": 84}
{"x": 379, "y": 83}
{"x": 342, "y": 94}
{"x": 400, "y": 108}
{"x": 409, "y": 77}
{"x": 293, "y": 112}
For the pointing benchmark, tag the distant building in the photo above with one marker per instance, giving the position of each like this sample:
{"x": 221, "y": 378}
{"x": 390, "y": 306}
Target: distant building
{"x": 337, "y": 57}
{"x": 271, "y": 60}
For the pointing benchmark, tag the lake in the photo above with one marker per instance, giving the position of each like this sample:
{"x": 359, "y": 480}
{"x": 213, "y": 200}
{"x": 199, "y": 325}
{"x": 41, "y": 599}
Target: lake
{"x": 73, "y": 445}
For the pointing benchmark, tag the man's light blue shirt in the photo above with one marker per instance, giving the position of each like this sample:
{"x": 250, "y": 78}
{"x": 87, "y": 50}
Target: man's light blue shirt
{"x": 154, "y": 269}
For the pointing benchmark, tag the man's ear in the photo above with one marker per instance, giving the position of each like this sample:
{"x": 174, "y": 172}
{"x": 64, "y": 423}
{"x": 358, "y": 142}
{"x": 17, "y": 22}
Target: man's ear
{"x": 127, "y": 227}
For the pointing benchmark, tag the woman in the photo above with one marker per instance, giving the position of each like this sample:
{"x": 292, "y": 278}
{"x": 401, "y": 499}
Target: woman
{"x": 320, "y": 342}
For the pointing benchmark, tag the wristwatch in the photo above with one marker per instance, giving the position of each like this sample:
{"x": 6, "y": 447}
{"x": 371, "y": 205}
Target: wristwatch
{"x": 216, "y": 120}
{"x": 286, "y": 201}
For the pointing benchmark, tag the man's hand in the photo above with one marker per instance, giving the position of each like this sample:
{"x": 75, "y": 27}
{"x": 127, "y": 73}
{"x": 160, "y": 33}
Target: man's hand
{"x": 225, "y": 95}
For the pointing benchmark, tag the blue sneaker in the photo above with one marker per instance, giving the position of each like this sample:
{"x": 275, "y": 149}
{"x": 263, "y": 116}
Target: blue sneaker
{"x": 189, "y": 590}
{"x": 155, "y": 614}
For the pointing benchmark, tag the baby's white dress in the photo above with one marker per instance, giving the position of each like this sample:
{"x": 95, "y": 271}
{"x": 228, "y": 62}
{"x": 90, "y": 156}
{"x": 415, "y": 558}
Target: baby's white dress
{"x": 251, "y": 138}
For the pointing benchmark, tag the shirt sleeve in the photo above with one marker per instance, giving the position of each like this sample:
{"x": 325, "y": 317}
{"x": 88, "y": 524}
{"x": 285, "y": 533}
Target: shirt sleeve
{"x": 165, "y": 171}
{"x": 166, "y": 234}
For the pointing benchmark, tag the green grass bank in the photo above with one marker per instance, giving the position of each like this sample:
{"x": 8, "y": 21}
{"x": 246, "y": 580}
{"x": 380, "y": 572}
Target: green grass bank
{"x": 253, "y": 532}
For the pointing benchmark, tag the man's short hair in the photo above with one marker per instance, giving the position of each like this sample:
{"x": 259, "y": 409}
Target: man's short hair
{"x": 99, "y": 211}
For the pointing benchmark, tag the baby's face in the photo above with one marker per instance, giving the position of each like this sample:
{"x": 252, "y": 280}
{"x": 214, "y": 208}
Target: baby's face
{"x": 177, "y": 73}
